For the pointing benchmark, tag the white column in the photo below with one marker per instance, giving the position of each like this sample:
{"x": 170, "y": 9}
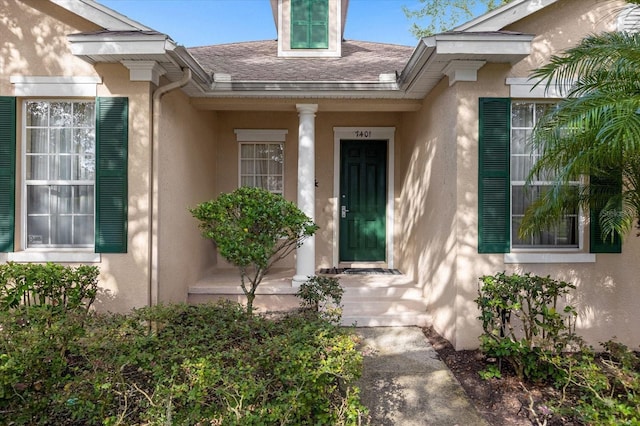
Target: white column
{"x": 306, "y": 254}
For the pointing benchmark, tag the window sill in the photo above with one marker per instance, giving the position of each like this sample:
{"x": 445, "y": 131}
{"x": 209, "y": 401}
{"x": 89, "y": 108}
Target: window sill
{"x": 54, "y": 256}
{"x": 510, "y": 258}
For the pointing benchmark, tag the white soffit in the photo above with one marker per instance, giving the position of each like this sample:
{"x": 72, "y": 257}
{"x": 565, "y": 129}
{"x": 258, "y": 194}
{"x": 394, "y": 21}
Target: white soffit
{"x": 101, "y": 15}
{"x": 504, "y": 16}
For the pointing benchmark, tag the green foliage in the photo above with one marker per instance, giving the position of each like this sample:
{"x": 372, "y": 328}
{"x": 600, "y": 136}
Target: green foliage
{"x": 443, "y": 15}
{"x": 595, "y": 129}
{"x": 521, "y": 321}
{"x": 53, "y": 285}
{"x": 322, "y": 294}
{"x": 491, "y": 372}
{"x": 206, "y": 364}
{"x": 253, "y": 229}
{"x": 600, "y": 388}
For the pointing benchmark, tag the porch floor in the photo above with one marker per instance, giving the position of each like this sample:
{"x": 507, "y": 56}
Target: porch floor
{"x": 369, "y": 299}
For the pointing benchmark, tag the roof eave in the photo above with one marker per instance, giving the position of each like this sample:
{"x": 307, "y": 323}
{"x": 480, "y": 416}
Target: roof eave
{"x": 498, "y": 19}
{"x": 296, "y": 89}
{"x": 113, "y": 47}
{"x": 101, "y": 15}
{"x": 433, "y": 55}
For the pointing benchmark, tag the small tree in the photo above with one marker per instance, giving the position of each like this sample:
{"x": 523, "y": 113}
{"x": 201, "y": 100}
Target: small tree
{"x": 253, "y": 229}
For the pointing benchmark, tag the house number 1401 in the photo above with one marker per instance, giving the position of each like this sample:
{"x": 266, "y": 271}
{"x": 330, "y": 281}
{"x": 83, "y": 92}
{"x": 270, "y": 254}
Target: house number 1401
{"x": 363, "y": 133}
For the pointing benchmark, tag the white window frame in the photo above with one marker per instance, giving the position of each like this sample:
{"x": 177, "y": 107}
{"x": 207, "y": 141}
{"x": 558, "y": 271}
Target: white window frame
{"x": 544, "y": 254}
{"x": 262, "y": 137}
{"x": 79, "y": 254}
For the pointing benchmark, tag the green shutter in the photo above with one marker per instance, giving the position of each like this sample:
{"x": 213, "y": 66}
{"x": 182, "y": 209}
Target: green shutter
{"x": 609, "y": 186}
{"x": 7, "y": 172}
{"x": 494, "y": 216}
{"x": 309, "y": 24}
{"x": 111, "y": 174}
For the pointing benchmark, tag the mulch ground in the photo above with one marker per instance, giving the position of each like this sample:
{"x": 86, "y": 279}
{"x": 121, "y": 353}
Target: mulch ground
{"x": 505, "y": 401}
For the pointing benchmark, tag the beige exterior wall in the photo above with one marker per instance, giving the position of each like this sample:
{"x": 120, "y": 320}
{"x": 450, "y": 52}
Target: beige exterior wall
{"x": 607, "y": 288}
{"x": 33, "y": 43}
{"x": 187, "y": 175}
{"x": 426, "y": 221}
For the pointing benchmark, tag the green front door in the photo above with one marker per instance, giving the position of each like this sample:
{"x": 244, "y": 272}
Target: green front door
{"x": 363, "y": 200}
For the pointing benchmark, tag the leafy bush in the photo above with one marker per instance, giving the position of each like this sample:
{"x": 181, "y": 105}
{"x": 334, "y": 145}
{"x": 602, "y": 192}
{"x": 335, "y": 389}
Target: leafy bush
{"x": 601, "y": 388}
{"x": 58, "y": 286}
{"x": 521, "y": 321}
{"x": 253, "y": 229}
{"x": 206, "y": 364}
{"x": 322, "y": 295}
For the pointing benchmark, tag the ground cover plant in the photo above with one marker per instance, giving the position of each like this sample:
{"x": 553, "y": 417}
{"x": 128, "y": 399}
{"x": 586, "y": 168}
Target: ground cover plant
{"x": 205, "y": 364}
{"x": 553, "y": 377}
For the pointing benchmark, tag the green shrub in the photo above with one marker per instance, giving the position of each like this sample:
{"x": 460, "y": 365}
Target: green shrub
{"x": 58, "y": 286}
{"x": 253, "y": 229}
{"x": 602, "y": 388}
{"x": 522, "y": 321}
{"x": 206, "y": 364}
{"x": 322, "y": 295}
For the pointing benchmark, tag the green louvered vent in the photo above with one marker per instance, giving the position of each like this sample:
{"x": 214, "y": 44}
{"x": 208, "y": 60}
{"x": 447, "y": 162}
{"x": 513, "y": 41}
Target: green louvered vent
{"x": 309, "y": 24}
{"x": 7, "y": 172}
{"x": 111, "y": 174}
{"x": 494, "y": 216}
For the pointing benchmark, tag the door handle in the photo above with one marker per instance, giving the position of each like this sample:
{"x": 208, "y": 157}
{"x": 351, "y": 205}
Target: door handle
{"x": 344, "y": 211}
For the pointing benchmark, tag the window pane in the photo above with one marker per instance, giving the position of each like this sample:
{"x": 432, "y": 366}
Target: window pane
{"x": 60, "y": 151}
{"x": 247, "y": 167}
{"x": 262, "y": 167}
{"x": 38, "y": 141}
{"x": 83, "y": 230}
{"x": 61, "y": 140}
{"x": 522, "y": 115}
{"x": 61, "y": 196}
{"x": 83, "y": 200}
{"x": 38, "y": 231}
{"x": 37, "y": 167}
{"x": 275, "y": 184}
{"x": 60, "y": 167}
{"x": 38, "y": 199}
{"x": 84, "y": 114}
{"x": 520, "y": 167}
{"x": 247, "y": 150}
{"x": 520, "y": 139}
{"x": 61, "y": 228}
{"x": 247, "y": 181}
{"x": 37, "y": 114}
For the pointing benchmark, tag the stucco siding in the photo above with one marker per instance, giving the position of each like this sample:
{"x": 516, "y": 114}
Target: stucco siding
{"x": 427, "y": 205}
{"x": 187, "y": 175}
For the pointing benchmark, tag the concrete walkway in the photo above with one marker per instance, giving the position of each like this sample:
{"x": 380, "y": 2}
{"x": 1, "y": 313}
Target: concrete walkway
{"x": 404, "y": 383}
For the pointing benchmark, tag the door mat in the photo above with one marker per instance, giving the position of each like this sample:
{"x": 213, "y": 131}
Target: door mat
{"x": 361, "y": 271}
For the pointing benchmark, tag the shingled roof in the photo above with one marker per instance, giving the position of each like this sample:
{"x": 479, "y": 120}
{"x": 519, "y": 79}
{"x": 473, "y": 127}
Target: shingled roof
{"x": 361, "y": 61}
